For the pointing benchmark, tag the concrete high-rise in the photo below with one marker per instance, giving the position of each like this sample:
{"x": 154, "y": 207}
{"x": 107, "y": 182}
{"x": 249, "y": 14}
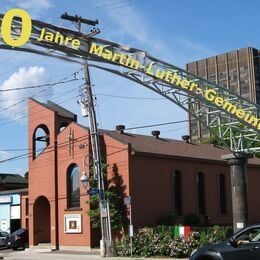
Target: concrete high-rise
{"x": 238, "y": 70}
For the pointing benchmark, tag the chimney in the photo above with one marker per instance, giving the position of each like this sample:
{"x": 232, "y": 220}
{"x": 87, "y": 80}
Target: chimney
{"x": 120, "y": 129}
{"x": 156, "y": 134}
{"x": 186, "y": 138}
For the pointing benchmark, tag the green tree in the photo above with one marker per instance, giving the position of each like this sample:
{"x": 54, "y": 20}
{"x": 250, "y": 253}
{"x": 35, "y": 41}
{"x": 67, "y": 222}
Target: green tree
{"x": 115, "y": 193}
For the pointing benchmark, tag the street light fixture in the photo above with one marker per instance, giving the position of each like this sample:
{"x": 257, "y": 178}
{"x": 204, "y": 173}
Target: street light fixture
{"x": 84, "y": 180}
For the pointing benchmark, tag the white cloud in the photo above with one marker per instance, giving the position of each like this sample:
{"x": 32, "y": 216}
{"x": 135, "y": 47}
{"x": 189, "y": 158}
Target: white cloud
{"x": 11, "y": 107}
{"x": 40, "y": 4}
{"x": 138, "y": 29}
{"x": 36, "y": 7}
{"x": 133, "y": 25}
{"x": 4, "y": 155}
{"x": 194, "y": 47}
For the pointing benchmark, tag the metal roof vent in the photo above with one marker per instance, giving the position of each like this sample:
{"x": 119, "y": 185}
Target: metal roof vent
{"x": 156, "y": 134}
{"x": 120, "y": 128}
{"x": 186, "y": 138}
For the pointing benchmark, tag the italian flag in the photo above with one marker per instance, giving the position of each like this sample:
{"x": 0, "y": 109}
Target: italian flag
{"x": 180, "y": 231}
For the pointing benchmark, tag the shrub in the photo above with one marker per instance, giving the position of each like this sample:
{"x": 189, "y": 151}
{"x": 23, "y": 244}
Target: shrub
{"x": 213, "y": 235}
{"x": 148, "y": 242}
{"x": 192, "y": 220}
{"x": 169, "y": 219}
{"x": 181, "y": 247}
{"x": 160, "y": 241}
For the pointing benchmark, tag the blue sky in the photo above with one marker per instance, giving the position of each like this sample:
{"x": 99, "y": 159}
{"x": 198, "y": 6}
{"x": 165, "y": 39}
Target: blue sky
{"x": 177, "y": 31}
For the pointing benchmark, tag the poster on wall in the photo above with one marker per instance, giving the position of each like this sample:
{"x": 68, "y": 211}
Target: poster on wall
{"x": 72, "y": 223}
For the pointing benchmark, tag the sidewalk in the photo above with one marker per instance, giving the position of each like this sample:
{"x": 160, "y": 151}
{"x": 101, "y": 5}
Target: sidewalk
{"x": 59, "y": 255}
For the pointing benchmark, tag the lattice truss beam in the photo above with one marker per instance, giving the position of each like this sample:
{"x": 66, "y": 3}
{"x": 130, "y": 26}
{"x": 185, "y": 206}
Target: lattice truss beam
{"x": 229, "y": 117}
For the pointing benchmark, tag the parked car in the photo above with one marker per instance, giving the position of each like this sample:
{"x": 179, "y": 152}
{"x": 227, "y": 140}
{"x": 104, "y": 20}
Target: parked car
{"x": 3, "y": 236}
{"x": 17, "y": 239}
{"x": 245, "y": 244}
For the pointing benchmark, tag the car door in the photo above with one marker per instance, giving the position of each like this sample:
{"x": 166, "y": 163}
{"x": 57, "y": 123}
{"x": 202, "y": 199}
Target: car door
{"x": 250, "y": 251}
{"x": 3, "y": 236}
{"x": 2, "y": 239}
{"x": 245, "y": 246}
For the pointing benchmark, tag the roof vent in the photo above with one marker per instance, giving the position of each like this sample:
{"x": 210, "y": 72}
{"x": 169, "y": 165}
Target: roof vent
{"x": 214, "y": 143}
{"x": 120, "y": 128}
{"x": 186, "y": 138}
{"x": 156, "y": 134}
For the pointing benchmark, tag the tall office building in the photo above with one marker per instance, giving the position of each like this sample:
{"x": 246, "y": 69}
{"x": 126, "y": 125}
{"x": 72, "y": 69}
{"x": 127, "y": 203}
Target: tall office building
{"x": 239, "y": 71}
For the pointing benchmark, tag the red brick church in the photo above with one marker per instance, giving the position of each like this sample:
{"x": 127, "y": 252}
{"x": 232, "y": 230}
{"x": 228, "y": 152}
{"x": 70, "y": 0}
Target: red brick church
{"x": 161, "y": 176}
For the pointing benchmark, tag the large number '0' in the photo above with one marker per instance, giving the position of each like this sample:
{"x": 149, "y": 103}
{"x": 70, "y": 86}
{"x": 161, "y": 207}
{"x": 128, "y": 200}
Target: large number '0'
{"x": 7, "y": 27}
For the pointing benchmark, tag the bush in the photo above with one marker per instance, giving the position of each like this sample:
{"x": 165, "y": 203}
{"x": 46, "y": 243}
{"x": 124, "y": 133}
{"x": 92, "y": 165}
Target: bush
{"x": 213, "y": 235}
{"x": 192, "y": 220}
{"x": 181, "y": 247}
{"x": 148, "y": 242}
{"x": 169, "y": 219}
{"x": 160, "y": 241}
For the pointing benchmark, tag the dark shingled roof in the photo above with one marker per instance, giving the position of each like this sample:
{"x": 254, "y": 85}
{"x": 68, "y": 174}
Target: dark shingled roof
{"x": 58, "y": 109}
{"x": 19, "y": 191}
{"x": 9, "y": 178}
{"x": 171, "y": 147}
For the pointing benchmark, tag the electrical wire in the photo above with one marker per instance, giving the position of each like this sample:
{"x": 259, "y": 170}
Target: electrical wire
{"x": 23, "y": 100}
{"x": 25, "y": 115}
{"x": 79, "y": 138}
{"x": 38, "y": 86}
{"x": 128, "y": 97}
{"x": 153, "y": 125}
{"x": 62, "y": 81}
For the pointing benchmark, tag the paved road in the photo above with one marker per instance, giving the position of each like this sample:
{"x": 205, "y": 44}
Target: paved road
{"x": 8, "y": 254}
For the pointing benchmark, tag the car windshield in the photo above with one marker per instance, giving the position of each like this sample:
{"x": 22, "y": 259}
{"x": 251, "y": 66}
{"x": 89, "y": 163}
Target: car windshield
{"x": 18, "y": 232}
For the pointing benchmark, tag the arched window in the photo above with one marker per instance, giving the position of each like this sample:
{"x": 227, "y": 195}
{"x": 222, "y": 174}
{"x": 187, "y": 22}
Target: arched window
{"x": 73, "y": 186}
{"x": 222, "y": 194}
{"x": 41, "y": 139}
{"x": 177, "y": 192}
{"x": 201, "y": 192}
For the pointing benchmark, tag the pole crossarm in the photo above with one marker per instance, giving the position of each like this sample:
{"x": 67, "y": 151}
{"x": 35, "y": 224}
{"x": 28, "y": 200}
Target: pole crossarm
{"x": 232, "y": 119}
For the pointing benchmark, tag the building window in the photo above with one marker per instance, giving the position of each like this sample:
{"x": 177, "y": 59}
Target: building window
{"x": 177, "y": 192}
{"x": 222, "y": 194}
{"x": 73, "y": 187}
{"x": 26, "y": 207}
{"x": 27, "y": 223}
{"x": 41, "y": 139}
{"x": 201, "y": 192}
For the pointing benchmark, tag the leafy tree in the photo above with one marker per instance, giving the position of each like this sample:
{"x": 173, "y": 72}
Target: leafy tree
{"x": 115, "y": 193}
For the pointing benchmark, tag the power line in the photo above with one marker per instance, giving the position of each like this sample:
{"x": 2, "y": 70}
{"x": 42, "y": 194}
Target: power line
{"x": 49, "y": 85}
{"x": 38, "y": 86}
{"x": 161, "y": 124}
{"x": 62, "y": 81}
{"x": 128, "y": 97}
{"x": 25, "y": 112}
{"x": 51, "y": 149}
